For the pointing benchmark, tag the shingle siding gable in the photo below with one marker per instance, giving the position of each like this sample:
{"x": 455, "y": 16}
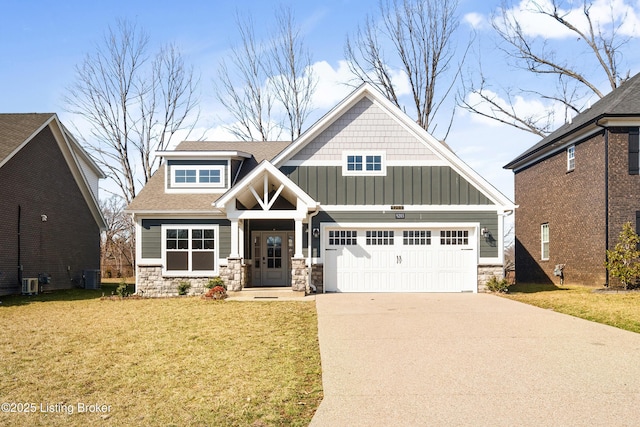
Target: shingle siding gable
{"x": 365, "y": 126}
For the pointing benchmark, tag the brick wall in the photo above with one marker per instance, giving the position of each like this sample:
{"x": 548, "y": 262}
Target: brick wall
{"x": 624, "y": 189}
{"x": 38, "y": 180}
{"x": 573, "y": 204}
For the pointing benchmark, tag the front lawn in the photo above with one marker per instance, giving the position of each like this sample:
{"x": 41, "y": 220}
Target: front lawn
{"x": 179, "y": 361}
{"x": 619, "y": 309}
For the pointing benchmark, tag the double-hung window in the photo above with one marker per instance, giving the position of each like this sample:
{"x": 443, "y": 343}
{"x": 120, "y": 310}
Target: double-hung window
{"x": 190, "y": 250}
{"x": 571, "y": 158}
{"x": 544, "y": 241}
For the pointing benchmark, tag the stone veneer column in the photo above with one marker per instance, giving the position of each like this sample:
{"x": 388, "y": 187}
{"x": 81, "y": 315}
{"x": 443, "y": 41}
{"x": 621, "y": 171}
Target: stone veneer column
{"x": 486, "y": 272}
{"x": 299, "y": 274}
{"x": 235, "y": 274}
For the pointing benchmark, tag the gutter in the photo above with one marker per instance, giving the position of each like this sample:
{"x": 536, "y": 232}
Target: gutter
{"x": 606, "y": 194}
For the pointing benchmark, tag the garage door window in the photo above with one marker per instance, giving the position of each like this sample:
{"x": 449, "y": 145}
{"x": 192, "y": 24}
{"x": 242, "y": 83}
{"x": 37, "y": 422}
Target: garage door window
{"x": 343, "y": 237}
{"x": 454, "y": 237}
{"x": 416, "y": 237}
{"x": 379, "y": 237}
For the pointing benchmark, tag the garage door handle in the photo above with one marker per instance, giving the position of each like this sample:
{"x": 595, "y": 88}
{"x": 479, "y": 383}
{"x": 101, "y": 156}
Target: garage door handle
{"x": 467, "y": 249}
{"x": 398, "y": 259}
{"x": 326, "y": 249}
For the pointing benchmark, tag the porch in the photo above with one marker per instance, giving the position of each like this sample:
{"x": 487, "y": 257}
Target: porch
{"x": 267, "y": 214}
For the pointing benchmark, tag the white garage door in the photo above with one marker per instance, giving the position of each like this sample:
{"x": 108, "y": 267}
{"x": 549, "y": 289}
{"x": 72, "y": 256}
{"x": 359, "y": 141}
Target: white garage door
{"x": 378, "y": 259}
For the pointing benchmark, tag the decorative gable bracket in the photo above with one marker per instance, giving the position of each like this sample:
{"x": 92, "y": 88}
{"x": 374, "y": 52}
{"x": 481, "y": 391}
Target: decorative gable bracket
{"x": 265, "y": 202}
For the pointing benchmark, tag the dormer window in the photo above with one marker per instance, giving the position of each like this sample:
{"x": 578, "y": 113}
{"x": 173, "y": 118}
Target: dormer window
{"x": 185, "y": 176}
{"x": 364, "y": 163}
{"x": 197, "y": 176}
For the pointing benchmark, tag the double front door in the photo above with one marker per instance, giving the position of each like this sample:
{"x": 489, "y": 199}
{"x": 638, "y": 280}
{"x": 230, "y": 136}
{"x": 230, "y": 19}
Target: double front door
{"x": 271, "y": 254}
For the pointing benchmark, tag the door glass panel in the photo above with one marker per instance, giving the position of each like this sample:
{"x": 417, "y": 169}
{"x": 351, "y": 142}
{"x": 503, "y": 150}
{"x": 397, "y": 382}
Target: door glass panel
{"x": 256, "y": 251}
{"x": 274, "y": 252}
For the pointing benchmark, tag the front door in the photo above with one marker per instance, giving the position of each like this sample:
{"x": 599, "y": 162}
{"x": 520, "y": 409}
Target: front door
{"x": 271, "y": 259}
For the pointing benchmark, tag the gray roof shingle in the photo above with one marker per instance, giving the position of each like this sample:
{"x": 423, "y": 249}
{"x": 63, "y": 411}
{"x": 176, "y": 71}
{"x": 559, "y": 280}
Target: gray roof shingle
{"x": 152, "y": 197}
{"x": 624, "y": 101}
{"x": 16, "y": 128}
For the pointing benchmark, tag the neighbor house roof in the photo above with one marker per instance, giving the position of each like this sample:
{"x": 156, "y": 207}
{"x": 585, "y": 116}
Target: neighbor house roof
{"x": 15, "y": 129}
{"x": 18, "y": 129}
{"x": 622, "y": 102}
{"x": 153, "y": 197}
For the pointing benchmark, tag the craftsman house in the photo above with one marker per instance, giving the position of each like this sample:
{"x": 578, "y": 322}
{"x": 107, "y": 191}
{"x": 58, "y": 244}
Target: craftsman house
{"x": 50, "y": 220}
{"x": 363, "y": 201}
{"x": 576, "y": 188}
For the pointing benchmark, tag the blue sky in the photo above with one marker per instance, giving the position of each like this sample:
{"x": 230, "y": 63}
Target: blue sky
{"x": 41, "y": 41}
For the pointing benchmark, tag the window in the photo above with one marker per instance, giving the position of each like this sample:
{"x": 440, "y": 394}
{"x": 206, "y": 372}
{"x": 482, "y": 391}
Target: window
{"x": 374, "y": 163}
{"x": 354, "y": 163}
{"x": 211, "y": 176}
{"x": 343, "y": 237}
{"x": 416, "y": 237}
{"x": 185, "y": 176}
{"x": 363, "y": 163}
{"x": 380, "y": 237}
{"x": 190, "y": 250}
{"x": 571, "y": 158}
{"x": 544, "y": 241}
{"x": 454, "y": 237}
{"x": 197, "y": 176}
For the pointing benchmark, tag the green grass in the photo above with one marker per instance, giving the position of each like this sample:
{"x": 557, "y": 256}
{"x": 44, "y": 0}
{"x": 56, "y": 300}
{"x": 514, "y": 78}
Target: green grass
{"x": 179, "y": 361}
{"x": 619, "y": 309}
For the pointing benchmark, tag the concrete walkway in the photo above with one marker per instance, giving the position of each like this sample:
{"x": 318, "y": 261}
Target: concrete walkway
{"x": 470, "y": 359}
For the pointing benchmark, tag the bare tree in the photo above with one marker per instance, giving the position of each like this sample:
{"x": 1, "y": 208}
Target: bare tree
{"x": 261, "y": 75}
{"x": 241, "y": 88}
{"x": 598, "y": 45}
{"x": 419, "y": 35}
{"x": 290, "y": 68}
{"x": 134, "y": 103}
{"x": 117, "y": 251}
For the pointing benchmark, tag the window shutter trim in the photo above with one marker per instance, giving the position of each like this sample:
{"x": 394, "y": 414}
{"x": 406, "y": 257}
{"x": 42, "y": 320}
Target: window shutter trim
{"x": 634, "y": 152}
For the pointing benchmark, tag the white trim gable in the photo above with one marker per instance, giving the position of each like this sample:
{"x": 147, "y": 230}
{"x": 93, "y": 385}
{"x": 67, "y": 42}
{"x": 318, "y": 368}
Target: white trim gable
{"x": 438, "y": 148}
{"x": 257, "y": 186}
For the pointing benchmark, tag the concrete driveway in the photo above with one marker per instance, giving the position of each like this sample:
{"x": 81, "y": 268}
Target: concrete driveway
{"x": 470, "y": 359}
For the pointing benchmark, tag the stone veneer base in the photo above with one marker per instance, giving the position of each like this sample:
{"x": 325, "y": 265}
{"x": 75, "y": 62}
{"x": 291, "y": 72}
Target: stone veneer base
{"x": 151, "y": 283}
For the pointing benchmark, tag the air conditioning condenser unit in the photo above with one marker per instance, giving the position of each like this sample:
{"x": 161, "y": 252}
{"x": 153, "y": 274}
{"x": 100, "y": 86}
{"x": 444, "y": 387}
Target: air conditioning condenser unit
{"x": 30, "y": 286}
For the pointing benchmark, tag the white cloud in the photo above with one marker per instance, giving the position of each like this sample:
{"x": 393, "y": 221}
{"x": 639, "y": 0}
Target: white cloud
{"x": 475, "y": 20}
{"x": 603, "y": 13}
{"x": 332, "y": 84}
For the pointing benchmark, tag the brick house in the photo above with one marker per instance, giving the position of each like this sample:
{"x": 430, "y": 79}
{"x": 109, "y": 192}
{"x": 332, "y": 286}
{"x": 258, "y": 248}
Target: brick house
{"x": 576, "y": 188}
{"x": 50, "y": 220}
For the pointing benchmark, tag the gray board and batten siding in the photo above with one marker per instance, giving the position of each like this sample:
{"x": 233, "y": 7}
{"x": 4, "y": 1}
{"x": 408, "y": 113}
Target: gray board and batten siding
{"x": 402, "y": 185}
{"x": 152, "y": 235}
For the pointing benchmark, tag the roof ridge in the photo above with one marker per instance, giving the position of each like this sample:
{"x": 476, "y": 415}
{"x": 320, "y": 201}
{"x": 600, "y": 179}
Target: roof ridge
{"x": 621, "y": 92}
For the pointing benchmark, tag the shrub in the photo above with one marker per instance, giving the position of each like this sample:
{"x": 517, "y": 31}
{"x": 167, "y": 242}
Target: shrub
{"x": 121, "y": 290}
{"x": 498, "y": 285}
{"x": 622, "y": 261}
{"x": 216, "y": 281}
{"x": 183, "y": 287}
{"x": 217, "y": 292}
